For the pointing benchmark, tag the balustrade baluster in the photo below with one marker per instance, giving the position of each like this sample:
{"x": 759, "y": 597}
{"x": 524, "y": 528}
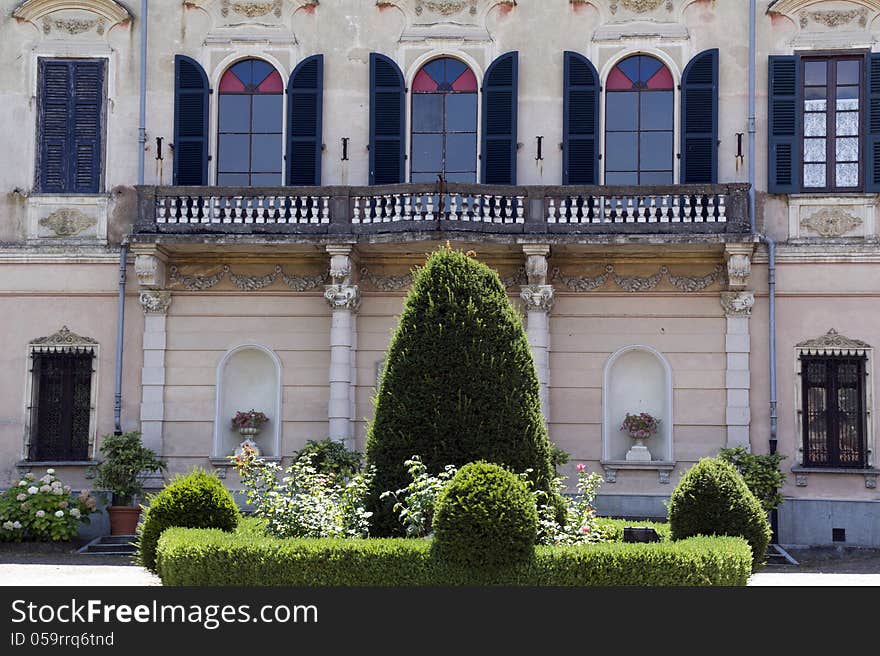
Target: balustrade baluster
{"x": 722, "y": 209}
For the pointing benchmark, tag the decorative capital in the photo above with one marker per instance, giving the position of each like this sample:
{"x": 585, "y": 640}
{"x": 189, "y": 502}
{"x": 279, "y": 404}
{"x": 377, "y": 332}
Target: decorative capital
{"x": 150, "y": 271}
{"x": 537, "y": 298}
{"x": 738, "y": 304}
{"x": 343, "y": 297}
{"x": 155, "y": 301}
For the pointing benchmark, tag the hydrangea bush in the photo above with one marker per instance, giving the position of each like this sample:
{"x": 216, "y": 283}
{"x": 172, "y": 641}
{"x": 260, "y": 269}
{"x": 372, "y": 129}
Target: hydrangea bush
{"x": 43, "y": 510}
{"x": 301, "y": 502}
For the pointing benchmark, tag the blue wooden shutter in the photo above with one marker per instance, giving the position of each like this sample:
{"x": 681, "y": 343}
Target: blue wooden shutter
{"x": 872, "y": 141}
{"x": 783, "y": 161}
{"x": 71, "y": 108}
{"x": 191, "y": 91}
{"x": 305, "y": 93}
{"x": 498, "y": 152}
{"x": 580, "y": 139}
{"x": 699, "y": 111}
{"x": 387, "y": 121}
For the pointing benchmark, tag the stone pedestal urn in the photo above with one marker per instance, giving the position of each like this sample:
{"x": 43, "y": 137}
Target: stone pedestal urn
{"x": 638, "y": 453}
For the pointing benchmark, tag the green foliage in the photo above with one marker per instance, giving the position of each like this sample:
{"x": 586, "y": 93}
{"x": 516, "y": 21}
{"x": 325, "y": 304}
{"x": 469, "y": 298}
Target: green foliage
{"x": 188, "y": 557}
{"x": 331, "y": 457}
{"x": 459, "y": 384}
{"x": 558, "y": 457}
{"x": 761, "y": 473}
{"x": 43, "y": 510}
{"x": 713, "y": 499}
{"x": 415, "y": 503}
{"x": 580, "y": 516}
{"x": 197, "y": 500}
{"x": 485, "y": 517}
{"x": 125, "y": 463}
{"x": 611, "y": 529}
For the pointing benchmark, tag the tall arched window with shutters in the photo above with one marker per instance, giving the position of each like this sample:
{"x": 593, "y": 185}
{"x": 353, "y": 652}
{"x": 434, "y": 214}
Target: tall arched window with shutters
{"x": 444, "y": 122}
{"x": 639, "y": 123}
{"x": 249, "y": 141}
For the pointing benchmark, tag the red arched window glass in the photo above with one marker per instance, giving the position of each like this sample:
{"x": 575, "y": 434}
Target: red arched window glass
{"x": 444, "y": 122}
{"x": 639, "y": 126}
{"x": 249, "y": 145}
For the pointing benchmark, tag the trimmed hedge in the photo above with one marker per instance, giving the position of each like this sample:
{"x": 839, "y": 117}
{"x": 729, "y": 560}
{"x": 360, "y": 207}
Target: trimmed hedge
{"x": 485, "y": 517}
{"x": 197, "y": 500}
{"x": 459, "y": 386}
{"x": 612, "y": 529}
{"x": 209, "y": 557}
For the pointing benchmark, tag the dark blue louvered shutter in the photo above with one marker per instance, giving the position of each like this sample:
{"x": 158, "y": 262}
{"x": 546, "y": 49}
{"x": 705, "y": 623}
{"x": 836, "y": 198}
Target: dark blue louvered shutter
{"x": 191, "y": 91}
{"x": 580, "y": 139}
{"x": 699, "y": 111}
{"x": 498, "y": 151}
{"x": 872, "y": 141}
{"x": 783, "y": 161}
{"x": 71, "y": 108}
{"x": 305, "y": 93}
{"x": 387, "y": 121}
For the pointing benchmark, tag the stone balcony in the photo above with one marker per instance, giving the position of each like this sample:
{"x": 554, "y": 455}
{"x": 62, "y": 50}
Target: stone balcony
{"x": 682, "y": 213}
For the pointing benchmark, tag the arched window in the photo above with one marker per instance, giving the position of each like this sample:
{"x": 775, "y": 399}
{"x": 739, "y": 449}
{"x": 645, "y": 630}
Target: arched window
{"x": 249, "y": 150}
{"x": 444, "y": 122}
{"x": 639, "y": 123}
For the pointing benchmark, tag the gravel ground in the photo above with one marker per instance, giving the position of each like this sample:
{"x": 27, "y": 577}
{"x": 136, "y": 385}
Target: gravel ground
{"x": 817, "y": 567}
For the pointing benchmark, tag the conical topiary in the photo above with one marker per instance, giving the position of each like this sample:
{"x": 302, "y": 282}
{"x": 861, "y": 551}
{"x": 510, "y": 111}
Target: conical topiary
{"x": 459, "y": 384}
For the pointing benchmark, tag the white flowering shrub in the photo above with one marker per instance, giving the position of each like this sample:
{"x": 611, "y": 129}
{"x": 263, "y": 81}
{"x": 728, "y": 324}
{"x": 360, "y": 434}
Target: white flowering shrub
{"x": 414, "y": 504}
{"x": 43, "y": 510}
{"x": 301, "y": 502}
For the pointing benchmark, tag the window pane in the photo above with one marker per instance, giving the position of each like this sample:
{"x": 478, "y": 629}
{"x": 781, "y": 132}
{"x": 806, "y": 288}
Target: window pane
{"x": 847, "y": 124}
{"x": 847, "y": 175}
{"x": 656, "y": 110}
{"x": 427, "y": 152}
{"x": 815, "y": 72}
{"x": 427, "y": 112}
{"x": 847, "y": 150}
{"x": 266, "y": 153}
{"x": 848, "y": 72}
{"x": 234, "y": 113}
{"x": 815, "y": 125}
{"x": 461, "y": 112}
{"x": 461, "y": 152}
{"x": 847, "y": 98}
{"x": 655, "y": 151}
{"x": 233, "y": 179}
{"x": 461, "y": 177}
{"x": 267, "y": 113}
{"x": 656, "y": 178}
{"x": 612, "y": 178}
{"x": 814, "y": 150}
{"x": 233, "y": 152}
{"x": 622, "y": 111}
{"x": 266, "y": 180}
{"x": 814, "y": 175}
{"x": 621, "y": 151}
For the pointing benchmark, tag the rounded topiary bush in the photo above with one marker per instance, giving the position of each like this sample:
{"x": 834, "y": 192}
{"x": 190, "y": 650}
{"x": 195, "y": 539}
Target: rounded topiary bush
{"x": 459, "y": 386}
{"x": 485, "y": 517}
{"x": 713, "y": 499}
{"x": 196, "y": 500}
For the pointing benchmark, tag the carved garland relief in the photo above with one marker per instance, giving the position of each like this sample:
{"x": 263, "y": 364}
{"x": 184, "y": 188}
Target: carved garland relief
{"x": 831, "y": 222}
{"x": 634, "y": 284}
{"x": 245, "y": 283}
{"x": 67, "y": 222}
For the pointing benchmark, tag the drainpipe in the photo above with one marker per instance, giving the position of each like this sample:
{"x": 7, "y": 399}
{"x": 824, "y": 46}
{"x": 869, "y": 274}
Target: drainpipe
{"x": 752, "y": 116}
{"x": 120, "y": 324}
{"x": 142, "y": 123}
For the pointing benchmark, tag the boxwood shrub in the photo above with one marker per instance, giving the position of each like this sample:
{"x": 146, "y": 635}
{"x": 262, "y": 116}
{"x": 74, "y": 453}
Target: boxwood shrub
{"x": 209, "y": 557}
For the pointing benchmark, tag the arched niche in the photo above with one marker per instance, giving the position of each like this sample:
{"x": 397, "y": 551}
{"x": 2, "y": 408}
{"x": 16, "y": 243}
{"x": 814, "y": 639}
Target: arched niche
{"x": 248, "y": 377}
{"x": 637, "y": 379}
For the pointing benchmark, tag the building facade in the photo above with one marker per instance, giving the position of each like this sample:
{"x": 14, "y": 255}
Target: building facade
{"x": 264, "y": 175}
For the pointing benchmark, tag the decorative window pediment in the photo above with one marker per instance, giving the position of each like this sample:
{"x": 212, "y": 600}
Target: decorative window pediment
{"x": 446, "y": 18}
{"x": 833, "y": 343}
{"x": 825, "y": 15}
{"x": 63, "y": 341}
{"x": 265, "y": 13}
{"x": 73, "y": 17}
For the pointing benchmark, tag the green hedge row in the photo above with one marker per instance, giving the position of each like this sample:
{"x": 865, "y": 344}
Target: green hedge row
{"x": 612, "y": 529}
{"x": 209, "y": 557}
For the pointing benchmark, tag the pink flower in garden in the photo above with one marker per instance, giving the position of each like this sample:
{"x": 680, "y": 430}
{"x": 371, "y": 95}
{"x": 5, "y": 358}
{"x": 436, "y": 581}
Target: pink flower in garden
{"x": 585, "y": 529}
{"x": 581, "y": 467}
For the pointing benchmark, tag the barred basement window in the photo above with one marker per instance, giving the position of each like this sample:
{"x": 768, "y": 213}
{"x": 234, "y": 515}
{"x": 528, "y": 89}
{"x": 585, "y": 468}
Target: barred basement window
{"x": 834, "y": 415}
{"x": 62, "y": 398}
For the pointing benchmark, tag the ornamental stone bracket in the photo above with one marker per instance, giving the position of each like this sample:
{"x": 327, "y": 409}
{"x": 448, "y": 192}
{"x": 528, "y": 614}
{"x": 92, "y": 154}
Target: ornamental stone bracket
{"x": 536, "y": 263}
{"x": 537, "y": 298}
{"x": 343, "y": 297}
{"x": 739, "y": 265}
{"x": 870, "y": 475}
{"x": 150, "y": 270}
{"x": 738, "y": 304}
{"x": 340, "y": 264}
{"x": 155, "y": 301}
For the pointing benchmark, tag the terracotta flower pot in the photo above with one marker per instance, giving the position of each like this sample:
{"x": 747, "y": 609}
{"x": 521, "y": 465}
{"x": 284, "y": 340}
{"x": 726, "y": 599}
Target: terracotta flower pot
{"x": 123, "y": 519}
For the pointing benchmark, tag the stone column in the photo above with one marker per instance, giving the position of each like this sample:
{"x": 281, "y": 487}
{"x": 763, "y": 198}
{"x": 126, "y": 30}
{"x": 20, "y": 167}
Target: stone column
{"x": 344, "y": 300}
{"x": 537, "y": 297}
{"x": 737, "y": 304}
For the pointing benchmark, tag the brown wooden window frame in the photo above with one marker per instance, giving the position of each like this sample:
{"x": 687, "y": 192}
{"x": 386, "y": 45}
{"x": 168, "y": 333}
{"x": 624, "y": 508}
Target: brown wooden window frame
{"x": 831, "y": 120}
{"x": 832, "y": 411}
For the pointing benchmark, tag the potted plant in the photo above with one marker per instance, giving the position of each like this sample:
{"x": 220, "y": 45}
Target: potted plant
{"x": 249, "y": 424}
{"x": 639, "y": 427}
{"x": 121, "y": 472}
